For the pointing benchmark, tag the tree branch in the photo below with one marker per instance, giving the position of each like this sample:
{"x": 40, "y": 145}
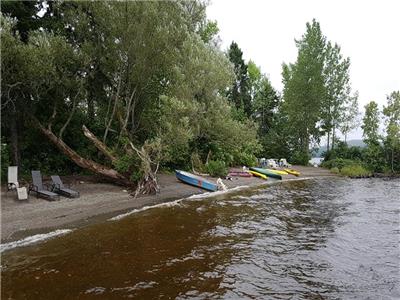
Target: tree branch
{"x": 99, "y": 145}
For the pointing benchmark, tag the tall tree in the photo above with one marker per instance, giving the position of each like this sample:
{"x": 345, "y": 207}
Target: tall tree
{"x": 304, "y": 89}
{"x": 392, "y": 113}
{"x": 337, "y": 87}
{"x": 350, "y": 117}
{"x": 239, "y": 94}
{"x": 370, "y": 125}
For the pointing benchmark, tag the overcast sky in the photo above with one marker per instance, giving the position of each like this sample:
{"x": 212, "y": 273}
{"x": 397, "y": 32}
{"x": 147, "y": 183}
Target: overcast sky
{"x": 367, "y": 31}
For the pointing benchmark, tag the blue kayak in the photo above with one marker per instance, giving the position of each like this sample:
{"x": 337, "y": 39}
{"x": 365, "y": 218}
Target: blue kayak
{"x": 195, "y": 180}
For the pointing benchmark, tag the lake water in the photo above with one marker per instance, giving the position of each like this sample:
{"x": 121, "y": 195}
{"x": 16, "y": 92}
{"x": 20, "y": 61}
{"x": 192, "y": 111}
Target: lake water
{"x": 315, "y": 239}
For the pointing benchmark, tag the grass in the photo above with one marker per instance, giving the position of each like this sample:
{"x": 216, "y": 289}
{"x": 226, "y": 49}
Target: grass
{"x": 355, "y": 171}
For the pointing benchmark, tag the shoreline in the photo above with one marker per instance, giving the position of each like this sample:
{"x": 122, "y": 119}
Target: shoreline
{"x": 101, "y": 202}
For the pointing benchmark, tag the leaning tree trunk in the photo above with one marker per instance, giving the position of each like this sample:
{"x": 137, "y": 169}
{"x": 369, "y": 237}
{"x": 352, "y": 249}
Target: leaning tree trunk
{"x": 88, "y": 164}
{"x": 148, "y": 184}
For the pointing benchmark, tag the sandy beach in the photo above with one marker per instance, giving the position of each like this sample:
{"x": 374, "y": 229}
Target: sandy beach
{"x": 101, "y": 201}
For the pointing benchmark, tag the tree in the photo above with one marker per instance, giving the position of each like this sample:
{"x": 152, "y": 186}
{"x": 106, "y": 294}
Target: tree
{"x": 373, "y": 155}
{"x": 371, "y": 124}
{"x": 157, "y": 93}
{"x": 392, "y": 113}
{"x": 239, "y": 94}
{"x": 350, "y": 119}
{"x": 304, "y": 90}
{"x": 337, "y": 88}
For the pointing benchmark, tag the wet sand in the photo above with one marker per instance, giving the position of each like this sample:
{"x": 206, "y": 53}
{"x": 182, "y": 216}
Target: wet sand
{"x": 101, "y": 201}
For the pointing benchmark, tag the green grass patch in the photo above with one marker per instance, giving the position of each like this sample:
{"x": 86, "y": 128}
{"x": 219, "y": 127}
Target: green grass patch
{"x": 355, "y": 171}
{"x": 335, "y": 170}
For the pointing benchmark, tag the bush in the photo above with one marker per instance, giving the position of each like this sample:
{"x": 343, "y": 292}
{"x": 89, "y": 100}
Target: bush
{"x": 129, "y": 165}
{"x": 300, "y": 158}
{"x": 338, "y": 163}
{"x": 335, "y": 170}
{"x": 355, "y": 171}
{"x": 217, "y": 168}
{"x": 5, "y": 161}
{"x": 246, "y": 159}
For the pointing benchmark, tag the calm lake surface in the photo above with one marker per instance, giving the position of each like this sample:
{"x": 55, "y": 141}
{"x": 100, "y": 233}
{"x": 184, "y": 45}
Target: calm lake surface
{"x": 315, "y": 239}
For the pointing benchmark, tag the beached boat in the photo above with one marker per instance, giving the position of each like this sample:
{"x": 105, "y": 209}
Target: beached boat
{"x": 240, "y": 174}
{"x": 195, "y": 180}
{"x": 257, "y": 174}
{"x": 293, "y": 172}
{"x": 266, "y": 172}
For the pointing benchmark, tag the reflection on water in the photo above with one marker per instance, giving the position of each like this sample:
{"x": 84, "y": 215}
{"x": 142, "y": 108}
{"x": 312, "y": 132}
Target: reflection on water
{"x": 316, "y": 239}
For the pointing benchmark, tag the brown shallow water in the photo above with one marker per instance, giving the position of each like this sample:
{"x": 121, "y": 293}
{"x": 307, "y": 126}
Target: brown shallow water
{"x": 316, "y": 239}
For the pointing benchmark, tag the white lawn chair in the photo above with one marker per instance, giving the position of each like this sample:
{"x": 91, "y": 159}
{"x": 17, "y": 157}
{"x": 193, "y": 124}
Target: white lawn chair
{"x": 12, "y": 178}
{"x": 271, "y": 163}
{"x": 284, "y": 163}
{"x": 13, "y": 183}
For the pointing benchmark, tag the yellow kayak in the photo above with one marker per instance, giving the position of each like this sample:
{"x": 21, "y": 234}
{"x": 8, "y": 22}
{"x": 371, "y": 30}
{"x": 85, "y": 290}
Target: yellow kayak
{"x": 293, "y": 172}
{"x": 277, "y": 171}
{"x": 258, "y": 174}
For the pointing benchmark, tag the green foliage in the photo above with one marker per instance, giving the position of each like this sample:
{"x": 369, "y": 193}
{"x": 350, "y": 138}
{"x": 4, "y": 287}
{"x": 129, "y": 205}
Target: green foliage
{"x": 346, "y": 167}
{"x": 392, "y": 142}
{"x": 355, "y": 170}
{"x": 300, "y": 158}
{"x": 129, "y": 165}
{"x": 338, "y": 163}
{"x": 217, "y": 168}
{"x": 335, "y": 170}
{"x": 304, "y": 90}
{"x": 373, "y": 157}
{"x": 5, "y": 161}
{"x": 342, "y": 150}
{"x": 239, "y": 94}
{"x": 371, "y": 123}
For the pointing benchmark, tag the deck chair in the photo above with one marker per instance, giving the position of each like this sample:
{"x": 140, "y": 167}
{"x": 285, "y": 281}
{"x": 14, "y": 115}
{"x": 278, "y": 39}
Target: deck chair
{"x": 12, "y": 178}
{"x": 38, "y": 187}
{"x": 59, "y": 188}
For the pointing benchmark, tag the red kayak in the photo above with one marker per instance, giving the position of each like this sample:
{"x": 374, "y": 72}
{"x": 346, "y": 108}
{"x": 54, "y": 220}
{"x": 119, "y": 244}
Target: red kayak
{"x": 240, "y": 174}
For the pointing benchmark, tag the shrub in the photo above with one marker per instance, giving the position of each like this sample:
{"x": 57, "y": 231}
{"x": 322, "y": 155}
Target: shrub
{"x": 5, "y": 161}
{"x": 355, "y": 171}
{"x": 335, "y": 170}
{"x": 129, "y": 165}
{"x": 300, "y": 158}
{"x": 217, "y": 168}
{"x": 338, "y": 163}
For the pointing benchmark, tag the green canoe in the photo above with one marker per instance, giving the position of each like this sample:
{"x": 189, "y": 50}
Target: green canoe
{"x": 266, "y": 172}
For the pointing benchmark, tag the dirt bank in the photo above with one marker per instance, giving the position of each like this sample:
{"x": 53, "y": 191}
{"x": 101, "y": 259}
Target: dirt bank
{"x": 98, "y": 202}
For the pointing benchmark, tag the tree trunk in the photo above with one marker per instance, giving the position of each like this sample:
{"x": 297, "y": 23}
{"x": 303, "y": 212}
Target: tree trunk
{"x": 83, "y": 162}
{"x": 329, "y": 137}
{"x": 392, "y": 160}
{"x": 15, "y": 153}
{"x": 333, "y": 137}
{"x": 99, "y": 145}
{"x": 90, "y": 111}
